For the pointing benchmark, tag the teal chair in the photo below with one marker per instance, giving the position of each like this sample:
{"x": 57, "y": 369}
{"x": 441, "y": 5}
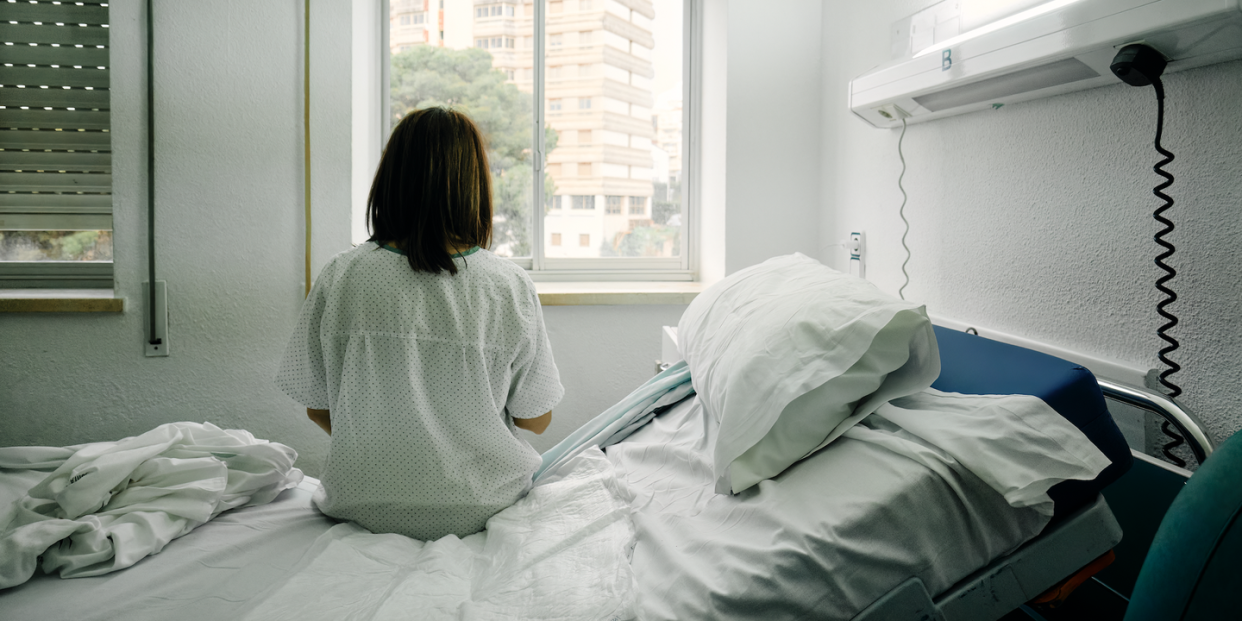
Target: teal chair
{"x": 1193, "y": 570}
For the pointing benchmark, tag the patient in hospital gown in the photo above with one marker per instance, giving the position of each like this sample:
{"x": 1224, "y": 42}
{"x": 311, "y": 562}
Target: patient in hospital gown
{"x": 421, "y": 352}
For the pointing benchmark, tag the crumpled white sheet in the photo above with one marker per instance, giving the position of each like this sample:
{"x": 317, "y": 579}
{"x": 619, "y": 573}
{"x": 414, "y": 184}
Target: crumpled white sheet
{"x": 560, "y": 553}
{"x": 108, "y": 505}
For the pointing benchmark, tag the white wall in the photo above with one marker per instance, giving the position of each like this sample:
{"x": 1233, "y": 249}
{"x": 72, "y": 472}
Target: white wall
{"x": 774, "y": 102}
{"x": 229, "y": 230}
{"x": 1035, "y": 219}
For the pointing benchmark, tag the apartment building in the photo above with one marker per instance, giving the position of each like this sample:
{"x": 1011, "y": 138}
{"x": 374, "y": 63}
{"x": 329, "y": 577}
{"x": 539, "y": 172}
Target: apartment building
{"x": 599, "y": 100}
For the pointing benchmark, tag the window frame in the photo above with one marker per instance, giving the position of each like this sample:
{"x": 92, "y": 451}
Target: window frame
{"x": 42, "y": 211}
{"x": 684, "y": 267}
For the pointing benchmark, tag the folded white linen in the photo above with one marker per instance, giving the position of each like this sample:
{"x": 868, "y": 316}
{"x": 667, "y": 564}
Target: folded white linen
{"x": 110, "y": 504}
{"x": 560, "y": 553}
{"x": 1017, "y": 444}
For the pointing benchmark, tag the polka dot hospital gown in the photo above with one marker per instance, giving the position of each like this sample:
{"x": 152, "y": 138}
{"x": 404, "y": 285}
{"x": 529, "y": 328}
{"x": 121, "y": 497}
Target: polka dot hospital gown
{"x": 423, "y": 374}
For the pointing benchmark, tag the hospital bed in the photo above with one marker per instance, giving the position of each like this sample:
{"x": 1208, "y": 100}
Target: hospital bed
{"x": 851, "y": 532}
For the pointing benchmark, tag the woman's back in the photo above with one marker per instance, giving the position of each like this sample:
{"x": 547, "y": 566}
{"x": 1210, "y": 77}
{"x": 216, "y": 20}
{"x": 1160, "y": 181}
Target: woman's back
{"x": 422, "y": 373}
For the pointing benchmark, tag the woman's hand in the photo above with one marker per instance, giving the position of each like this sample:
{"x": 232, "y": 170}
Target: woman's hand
{"x": 324, "y": 419}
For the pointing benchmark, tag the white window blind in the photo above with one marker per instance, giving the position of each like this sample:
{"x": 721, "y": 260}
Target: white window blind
{"x": 55, "y": 145}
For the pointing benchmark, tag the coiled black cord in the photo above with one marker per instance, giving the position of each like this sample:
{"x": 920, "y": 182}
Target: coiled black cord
{"x": 1175, "y": 438}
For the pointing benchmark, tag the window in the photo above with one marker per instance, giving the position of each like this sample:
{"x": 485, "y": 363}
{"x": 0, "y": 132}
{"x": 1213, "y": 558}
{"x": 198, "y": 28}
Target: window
{"x": 405, "y": 20}
{"x": 56, "y": 208}
{"x": 622, "y": 144}
{"x": 556, "y": 239}
{"x": 420, "y": 18}
{"x": 638, "y": 206}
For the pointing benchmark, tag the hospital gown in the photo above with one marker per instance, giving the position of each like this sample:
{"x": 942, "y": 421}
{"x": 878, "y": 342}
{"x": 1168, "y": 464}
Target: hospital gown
{"x": 423, "y": 374}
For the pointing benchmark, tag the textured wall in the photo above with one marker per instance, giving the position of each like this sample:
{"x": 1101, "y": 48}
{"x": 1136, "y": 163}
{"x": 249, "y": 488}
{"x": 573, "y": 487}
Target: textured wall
{"x": 229, "y": 231}
{"x": 1035, "y": 219}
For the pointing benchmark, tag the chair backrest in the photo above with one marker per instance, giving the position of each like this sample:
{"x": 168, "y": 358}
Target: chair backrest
{"x": 1193, "y": 570}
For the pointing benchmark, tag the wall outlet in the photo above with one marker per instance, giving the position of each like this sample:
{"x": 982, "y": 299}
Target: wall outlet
{"x": 857, "y": 246}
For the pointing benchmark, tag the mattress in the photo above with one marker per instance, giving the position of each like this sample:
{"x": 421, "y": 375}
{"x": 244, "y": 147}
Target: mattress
{"x": 822, "y": 540}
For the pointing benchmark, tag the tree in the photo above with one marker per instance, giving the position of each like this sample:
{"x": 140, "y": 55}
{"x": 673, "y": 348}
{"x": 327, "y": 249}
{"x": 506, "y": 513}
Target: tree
{"x": 55, "y": 245}
{"x": 665, "y": 201}
{"x": 464, "y": 80}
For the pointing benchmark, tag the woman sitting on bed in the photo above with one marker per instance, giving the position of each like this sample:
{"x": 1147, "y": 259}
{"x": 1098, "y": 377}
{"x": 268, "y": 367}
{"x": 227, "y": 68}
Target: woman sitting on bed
{"x": 420, "y": 351}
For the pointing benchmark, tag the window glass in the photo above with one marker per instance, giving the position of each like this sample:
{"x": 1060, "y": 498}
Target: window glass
{"x": 612, "y": 104}
{"x": 55, "y": 245}
{"x": 473, "y": 66}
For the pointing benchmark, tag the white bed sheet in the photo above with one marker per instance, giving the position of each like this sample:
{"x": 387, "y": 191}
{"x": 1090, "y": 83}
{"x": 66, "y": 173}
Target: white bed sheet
{"x": 210, "y": 573}
{"x": 823, "y": 540}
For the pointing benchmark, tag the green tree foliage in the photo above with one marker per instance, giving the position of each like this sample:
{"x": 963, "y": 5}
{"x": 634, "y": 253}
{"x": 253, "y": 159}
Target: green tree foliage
{"x": 666, "y": 201}
{"x": 426, "y": 75}
{"x": 55, "y": 245}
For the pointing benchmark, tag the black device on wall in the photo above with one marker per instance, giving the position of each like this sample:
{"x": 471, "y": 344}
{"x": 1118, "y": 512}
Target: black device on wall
{"x": 1141, "y": 65}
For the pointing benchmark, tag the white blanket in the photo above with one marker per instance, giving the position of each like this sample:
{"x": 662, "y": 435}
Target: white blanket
{"x": 560, "y": 553}
{"x": 110, "y": 504}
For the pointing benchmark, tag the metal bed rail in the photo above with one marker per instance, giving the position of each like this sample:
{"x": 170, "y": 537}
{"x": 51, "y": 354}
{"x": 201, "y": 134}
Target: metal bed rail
{"x": 1188, "y": 425}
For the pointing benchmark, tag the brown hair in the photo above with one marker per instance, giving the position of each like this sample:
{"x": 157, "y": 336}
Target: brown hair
{"x": 432, "y": 188}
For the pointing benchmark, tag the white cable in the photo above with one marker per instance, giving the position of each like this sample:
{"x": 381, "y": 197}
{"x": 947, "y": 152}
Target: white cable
{"x": 902, "y": 211}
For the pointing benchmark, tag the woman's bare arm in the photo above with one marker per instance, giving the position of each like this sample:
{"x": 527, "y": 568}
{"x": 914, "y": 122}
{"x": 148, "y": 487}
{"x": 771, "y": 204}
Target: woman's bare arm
{"x": 322, "y": 418}
{"x": 536, "y": 425}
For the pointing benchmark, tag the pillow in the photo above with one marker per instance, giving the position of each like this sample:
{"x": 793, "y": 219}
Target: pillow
{"x": 789, "y": 354}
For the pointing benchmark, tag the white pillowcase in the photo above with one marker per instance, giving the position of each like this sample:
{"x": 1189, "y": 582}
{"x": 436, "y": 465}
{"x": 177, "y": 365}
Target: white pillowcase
{"x": 789, "y": 354}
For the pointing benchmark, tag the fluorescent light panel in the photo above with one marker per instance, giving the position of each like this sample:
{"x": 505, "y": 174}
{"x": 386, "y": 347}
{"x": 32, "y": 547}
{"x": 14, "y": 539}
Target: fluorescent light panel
{"x": 997, "y": 25}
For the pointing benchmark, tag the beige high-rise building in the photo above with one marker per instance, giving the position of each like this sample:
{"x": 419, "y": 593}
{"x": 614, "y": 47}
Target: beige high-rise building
{"x": 415, "y": 22}
{"x": 599, "y": 101}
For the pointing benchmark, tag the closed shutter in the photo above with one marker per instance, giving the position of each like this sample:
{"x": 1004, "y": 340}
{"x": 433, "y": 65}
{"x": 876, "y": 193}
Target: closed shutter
{"x": 55, "y": 145}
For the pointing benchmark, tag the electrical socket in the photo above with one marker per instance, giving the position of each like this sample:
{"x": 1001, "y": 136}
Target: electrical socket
{"x": 857, "y": 245}
{"x": 892, "y": 112}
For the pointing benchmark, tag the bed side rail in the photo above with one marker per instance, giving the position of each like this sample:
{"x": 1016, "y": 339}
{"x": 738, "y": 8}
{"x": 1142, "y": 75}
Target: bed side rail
{"x": 1188, "y": 425}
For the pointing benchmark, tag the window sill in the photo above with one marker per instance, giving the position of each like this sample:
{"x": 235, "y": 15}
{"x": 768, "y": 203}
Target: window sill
{"x": 60, "y": 301}
{"x": 616, "y": 293}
